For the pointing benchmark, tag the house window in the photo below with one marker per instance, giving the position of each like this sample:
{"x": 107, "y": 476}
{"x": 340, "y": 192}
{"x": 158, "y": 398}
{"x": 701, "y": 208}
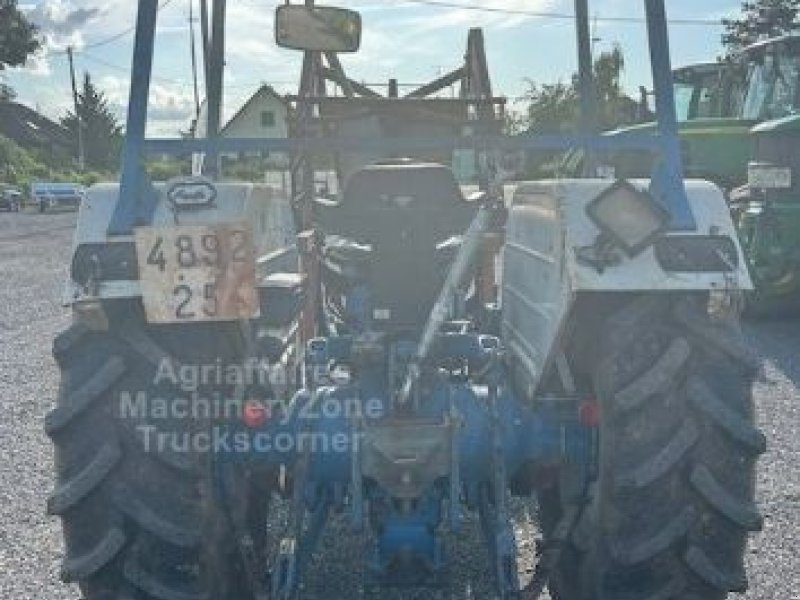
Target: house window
{"x": 267, "y": 118}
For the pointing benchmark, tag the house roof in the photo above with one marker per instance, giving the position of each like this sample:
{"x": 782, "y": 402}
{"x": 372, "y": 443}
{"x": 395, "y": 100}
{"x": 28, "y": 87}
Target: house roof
{"x": 264, "y": 90}
{"x": 28, "y": 128}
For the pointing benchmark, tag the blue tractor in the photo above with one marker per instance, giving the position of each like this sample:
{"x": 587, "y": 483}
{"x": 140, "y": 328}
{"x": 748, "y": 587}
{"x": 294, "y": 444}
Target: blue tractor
{"x": 411, "y": 352}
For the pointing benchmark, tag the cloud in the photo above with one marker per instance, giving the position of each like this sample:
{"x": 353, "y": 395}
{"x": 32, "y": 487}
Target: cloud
{"x": 61, "y": 23}
{"x": 51, "y": 17}
{"x": 37, "y": 65}
{"x": 170, "y": 104}
{"x": 169, "y": 110}
{"x": 62, "y": 18}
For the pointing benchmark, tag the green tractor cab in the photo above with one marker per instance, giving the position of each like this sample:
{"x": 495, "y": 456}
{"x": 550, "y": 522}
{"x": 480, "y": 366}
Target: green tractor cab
{"x": 715, "y": 139}
{"x": 714, "y": 135}
{"x": 707, "y": 91}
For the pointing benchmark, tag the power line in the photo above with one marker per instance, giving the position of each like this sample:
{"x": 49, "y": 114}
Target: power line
{"x": 113, "y": 38}
{"x": 552, "y": 15}
{"x": 122, "y": 34}
{"x": 179, "y": 83}
{"x": 121, "y": 69}
{"x": 445, "y": 4}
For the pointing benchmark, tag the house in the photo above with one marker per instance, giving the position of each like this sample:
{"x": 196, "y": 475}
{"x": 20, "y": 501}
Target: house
{"x": 34, "y": 131}
{"x": 264, "y": 115}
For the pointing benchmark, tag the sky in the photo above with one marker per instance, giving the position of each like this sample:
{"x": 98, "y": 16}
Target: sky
{"x": 402, "y": 39}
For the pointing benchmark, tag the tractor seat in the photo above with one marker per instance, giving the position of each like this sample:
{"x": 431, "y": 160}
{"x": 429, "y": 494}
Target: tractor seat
{"x": 393, "y": 230}
{"x": 413, "y": 192}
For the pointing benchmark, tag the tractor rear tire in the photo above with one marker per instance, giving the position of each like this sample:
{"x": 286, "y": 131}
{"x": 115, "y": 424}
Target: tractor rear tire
{"x": 139, "y": 522}
{"x": 668, "y": 515}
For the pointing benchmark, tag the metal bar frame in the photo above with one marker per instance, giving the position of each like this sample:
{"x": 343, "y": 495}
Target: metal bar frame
{"x": 667, "y": 184}
{"x": 439, "y": 84}
{"x": 133, "y": 177}
{"x": 530, "y": 142}
{"x": 137, "y": 199}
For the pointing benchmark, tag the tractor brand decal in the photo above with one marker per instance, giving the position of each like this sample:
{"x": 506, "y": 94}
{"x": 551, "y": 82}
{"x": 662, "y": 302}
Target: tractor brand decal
{"x": 194, "y": 193}
{"x": 197, "y": 273}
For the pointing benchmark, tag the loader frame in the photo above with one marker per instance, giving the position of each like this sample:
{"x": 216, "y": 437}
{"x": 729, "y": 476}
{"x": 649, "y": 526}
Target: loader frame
{"x": 138, "y": 199}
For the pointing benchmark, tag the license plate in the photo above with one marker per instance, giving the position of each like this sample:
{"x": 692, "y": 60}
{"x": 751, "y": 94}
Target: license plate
{"x": 197, "y": 273}
{"x": 769, "y": 178}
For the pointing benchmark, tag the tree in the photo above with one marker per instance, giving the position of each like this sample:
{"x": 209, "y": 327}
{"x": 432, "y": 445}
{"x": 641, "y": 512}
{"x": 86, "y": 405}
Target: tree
{"x": 555, "y": 107}
{"x": 759, "y": 20}
{"x": 552, "y": 107}
{"x": 615, "y": 108}
{"x": 102, "y": 134}
{"x": 17, "y": 36}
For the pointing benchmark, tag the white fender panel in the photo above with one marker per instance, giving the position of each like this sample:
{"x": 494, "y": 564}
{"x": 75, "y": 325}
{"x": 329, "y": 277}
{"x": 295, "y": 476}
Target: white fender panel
{"x": 265, "y": 208}
{"x": 564, "y": 202}
{"x": 541, "y": 277}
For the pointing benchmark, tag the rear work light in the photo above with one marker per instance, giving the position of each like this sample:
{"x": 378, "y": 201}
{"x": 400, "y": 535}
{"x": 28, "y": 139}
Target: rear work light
{"x": 630, "y": 217}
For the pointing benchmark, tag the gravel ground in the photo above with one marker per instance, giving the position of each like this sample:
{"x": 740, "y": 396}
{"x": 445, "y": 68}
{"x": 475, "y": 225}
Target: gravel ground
{"x": 34, "y": 256}
{"x": 34, "y": 251}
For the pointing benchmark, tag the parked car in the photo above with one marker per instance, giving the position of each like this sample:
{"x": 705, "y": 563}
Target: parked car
{"x": 57, "y": 195}
{"x": 11, "y": 198}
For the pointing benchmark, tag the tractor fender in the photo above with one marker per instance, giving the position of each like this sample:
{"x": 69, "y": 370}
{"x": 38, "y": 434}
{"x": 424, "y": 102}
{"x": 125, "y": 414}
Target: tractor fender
{"x": 550, "y": 219}
{"x": 548, "y": 225}
{"x": 265, "y": 209}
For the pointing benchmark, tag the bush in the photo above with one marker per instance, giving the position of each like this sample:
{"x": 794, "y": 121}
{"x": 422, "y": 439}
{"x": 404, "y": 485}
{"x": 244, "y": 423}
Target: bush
{"x": 165, "y": 169}
{"x": 17, "y": 166}
{"x": 20, "y": 167}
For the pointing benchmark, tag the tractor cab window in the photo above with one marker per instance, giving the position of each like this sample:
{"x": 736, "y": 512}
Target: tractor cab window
{"x": 684, "y": 93}
{"x": 773, "y": 86}
{"x": 698, "y": 95}
{"x": 758, "y": 89}
{"x": 786, "y": 87}
{"x": 708, "y": 100}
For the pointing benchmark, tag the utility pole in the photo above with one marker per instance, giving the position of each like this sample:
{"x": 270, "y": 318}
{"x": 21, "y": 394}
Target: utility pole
{"x": 206, "y": 39}
{"x": 588, "y": 99}
{"x": 192, "y": 21}
{"x": 76, "y": 104}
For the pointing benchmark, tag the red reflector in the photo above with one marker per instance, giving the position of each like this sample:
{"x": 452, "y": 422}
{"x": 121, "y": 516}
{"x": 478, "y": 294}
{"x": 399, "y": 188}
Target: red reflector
{"x": 255, "y": 414}
{"x": 589, "y": 413}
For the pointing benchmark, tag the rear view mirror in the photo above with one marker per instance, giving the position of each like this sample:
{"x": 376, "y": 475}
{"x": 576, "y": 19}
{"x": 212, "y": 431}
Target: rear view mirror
{"x": 317, "y": 28}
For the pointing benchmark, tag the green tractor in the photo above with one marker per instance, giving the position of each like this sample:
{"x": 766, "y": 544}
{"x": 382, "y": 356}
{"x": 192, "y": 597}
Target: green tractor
{"x": 714, "y": 135}
{"x": 709, "y": 101}
{"x": 766, "y": 208}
